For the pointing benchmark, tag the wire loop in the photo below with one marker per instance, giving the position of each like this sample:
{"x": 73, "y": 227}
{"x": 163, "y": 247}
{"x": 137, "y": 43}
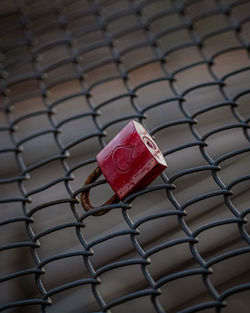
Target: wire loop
{"x": 85, "y": 199}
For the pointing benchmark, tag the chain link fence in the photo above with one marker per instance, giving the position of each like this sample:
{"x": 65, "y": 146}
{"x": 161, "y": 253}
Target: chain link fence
{"x": 73, "y": 73}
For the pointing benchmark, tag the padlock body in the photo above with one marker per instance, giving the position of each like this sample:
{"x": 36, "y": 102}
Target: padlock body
{"x": 131, "y": 160}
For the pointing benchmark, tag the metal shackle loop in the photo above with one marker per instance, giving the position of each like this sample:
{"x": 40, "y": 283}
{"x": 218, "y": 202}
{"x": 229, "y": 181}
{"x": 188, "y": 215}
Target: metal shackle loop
{"x": 85, "y": 197}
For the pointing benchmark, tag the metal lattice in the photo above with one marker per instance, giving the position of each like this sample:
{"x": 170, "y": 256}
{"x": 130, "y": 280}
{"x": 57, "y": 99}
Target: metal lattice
{"x": 23, "y": 28}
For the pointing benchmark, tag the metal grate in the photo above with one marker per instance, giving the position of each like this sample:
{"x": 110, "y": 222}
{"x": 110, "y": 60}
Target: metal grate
{"x": 180, "y": 68}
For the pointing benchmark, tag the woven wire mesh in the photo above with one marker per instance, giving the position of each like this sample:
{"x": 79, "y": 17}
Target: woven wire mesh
{"x": 73, "y": 73}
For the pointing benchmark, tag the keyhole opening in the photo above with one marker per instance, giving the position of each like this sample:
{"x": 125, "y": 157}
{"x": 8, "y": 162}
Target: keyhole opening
{"x": 150, "y": 143}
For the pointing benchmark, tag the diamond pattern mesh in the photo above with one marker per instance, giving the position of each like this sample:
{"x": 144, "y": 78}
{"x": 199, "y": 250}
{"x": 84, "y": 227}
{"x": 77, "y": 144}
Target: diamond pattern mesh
{"x": 73, "y": 73}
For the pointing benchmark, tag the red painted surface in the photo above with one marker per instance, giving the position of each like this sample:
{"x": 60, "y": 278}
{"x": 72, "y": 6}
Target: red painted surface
{"x": 131, "y": 160}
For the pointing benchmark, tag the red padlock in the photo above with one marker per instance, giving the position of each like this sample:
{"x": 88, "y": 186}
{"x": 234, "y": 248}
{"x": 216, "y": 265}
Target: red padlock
{"x": 130, "y": 162}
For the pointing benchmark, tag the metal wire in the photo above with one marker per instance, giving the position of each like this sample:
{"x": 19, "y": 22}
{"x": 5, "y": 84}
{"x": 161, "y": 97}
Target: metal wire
{"x": 38, "y": 73}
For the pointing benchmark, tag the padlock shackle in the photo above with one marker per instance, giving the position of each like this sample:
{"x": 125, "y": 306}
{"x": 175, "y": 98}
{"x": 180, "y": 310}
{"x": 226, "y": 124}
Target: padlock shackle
{"x": 85, "y": 194}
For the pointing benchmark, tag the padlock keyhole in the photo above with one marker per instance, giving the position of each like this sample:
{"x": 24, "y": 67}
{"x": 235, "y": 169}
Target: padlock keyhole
{"x": 150, "y": 143}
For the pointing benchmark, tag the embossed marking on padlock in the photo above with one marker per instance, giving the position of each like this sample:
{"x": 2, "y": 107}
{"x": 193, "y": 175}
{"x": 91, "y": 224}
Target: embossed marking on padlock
{"x": 122, "y": 156}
